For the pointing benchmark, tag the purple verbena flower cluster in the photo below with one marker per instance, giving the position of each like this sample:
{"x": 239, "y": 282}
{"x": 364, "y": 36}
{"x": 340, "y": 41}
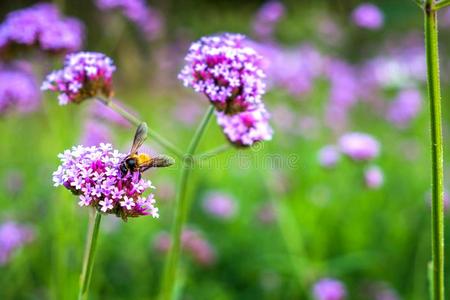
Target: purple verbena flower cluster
{"x": 229, "y": 73}
{"x": 84, "y": 75}
{"x": 329, "y": 289}
{"x": 226, "y": 71}
{"x": 245, "y": 128}
{"x": 18, "y": 90}
{"x": 42, "y": 26}
{"x": 93, "y": 174}
{"x": 373, "y": 177}
{"x": 137, "y": 11}
{"x": 12, "y": 237}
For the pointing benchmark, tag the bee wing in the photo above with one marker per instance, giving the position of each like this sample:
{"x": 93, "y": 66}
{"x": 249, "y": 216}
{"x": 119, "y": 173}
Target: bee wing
{"x": 158, "y": 161}
{"x": 139, "y": 137}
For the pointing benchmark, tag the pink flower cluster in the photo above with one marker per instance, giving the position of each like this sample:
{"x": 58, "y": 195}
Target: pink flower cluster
{"x": 329, "y": 289}
{"x": 92, "y": 173}
{"x": 84, "y": 75}
{"x": 359, "y": 146}
{"x": 41, "y": 25}
{"x": 229, "y": 73}
{"x": 193, "y": 243}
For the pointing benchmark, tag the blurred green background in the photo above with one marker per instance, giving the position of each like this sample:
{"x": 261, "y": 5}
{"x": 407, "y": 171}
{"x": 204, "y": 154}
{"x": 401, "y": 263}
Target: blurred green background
{"x": 325, "y": 222}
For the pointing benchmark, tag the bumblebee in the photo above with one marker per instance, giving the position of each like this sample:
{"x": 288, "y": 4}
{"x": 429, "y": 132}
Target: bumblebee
{"x": 140, "y": 162}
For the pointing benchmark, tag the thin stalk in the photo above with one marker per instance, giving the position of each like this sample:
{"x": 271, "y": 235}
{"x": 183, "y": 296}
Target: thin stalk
{"x": 135, "y": 121}
{"x": 214, "y": 152}
{"x": 89, "y": 254}
{"x": 441, "y": 4}
{"x": 181, "y": 211}
{"x": 434, "y": 95}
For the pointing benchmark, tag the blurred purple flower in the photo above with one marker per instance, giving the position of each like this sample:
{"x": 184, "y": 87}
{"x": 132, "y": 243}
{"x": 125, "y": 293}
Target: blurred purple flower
{"x": 41, "y": 25}
{"x": 328, "y": 156}
{"x": 95, "y": 133}
{"x": 219, "y": 205}
{"x": 359, "y": 146}
{"x": 368, "y": 15}
{"x": 85, "y": 75}
{"x": 373, "y": 177}
{"x": 267, "y": 17}
{"x": 19, "y": 91}
{"x": 192, "y": 242}
{"x": 226, "y": 71}
{"x": 329, "y": 289}
{"x": 292, "y": 69}
{"x": 137, "y": 11}
{"x": 246, "y": 128}
{"x": 12, "y": 237}
{"x": 93, "y": 174}
{"x": 99, "y": 112}
{"x": 405, "y": 107}
{"x": 187, "y": 112}
{"x": 284, "y": 117}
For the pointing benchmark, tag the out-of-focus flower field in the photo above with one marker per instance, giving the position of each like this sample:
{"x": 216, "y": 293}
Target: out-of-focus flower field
{"x": 335, "y": 206}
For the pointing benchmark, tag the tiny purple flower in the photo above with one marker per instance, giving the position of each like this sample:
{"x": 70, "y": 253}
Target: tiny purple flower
{"x": 227, "y": 71}
{"x": 85, "y": 75}
{"x": 373, "y": 177}
{"x": 368, "y": 15}
{"x": 328, "y": 156}
{"x": 359, "y": 146}
{"x": 329, "y": 289}
{"x": 219, "y": 205}
{"x": 87, "y": 172}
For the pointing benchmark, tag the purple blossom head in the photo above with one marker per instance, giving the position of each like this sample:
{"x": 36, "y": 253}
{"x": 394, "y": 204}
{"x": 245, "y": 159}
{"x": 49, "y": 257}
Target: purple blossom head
{"x": 226, "y": 70}
{"x": 93, "y": 174}
{"x": 19, "y": 91}
{"x": 328, "y": 156}
{"x": 373, "y": 177}
{"x": 329, "y": 289}
{"x": 12, "y": 237}
{"x": 220, "y": 205}
{"x": 405, "y": 107}
{"x": 42, "y": 26}
{"x": 368, "y": 15}
{"x": 137, "y": 11}
{"x": 246, "y": 128}
{"x": 95, "y": 133}
{"x": 84, "y": 75}
{"x": 267, "y": 17}
{"x": 359, "y": 146}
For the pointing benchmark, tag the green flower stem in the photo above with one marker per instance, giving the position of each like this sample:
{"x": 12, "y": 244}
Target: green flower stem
{"x": 181, "y": 211}
{"x": 89, "y": 254}
{"x": 441, "y": 4}
{"x": 434, "y": 95}
{"x": 135, "y": 121}
{"x": 214, "y": 152}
